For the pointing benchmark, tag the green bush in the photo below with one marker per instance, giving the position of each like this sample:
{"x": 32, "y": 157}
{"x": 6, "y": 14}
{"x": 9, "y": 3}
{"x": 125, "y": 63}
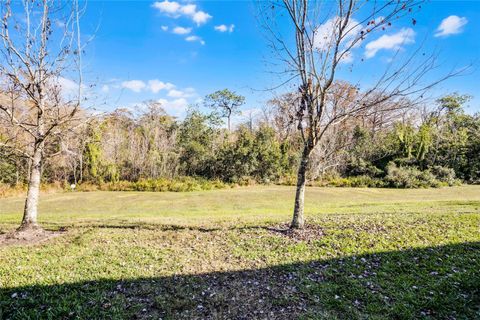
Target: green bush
{"x": 7, "y": 172}
{"x": 353, "y": 182}
{"x": 182, "y": 184}
{"x": 445, "y": 175}
{"x": 86, "y": 187}
{"x": 410, "y": 177}
{"x": 288, "y": 180}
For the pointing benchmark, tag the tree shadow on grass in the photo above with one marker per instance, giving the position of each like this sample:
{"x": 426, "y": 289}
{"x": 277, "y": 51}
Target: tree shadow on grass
{"x": 282, "y": 228}
{"x": 431, "y": 283}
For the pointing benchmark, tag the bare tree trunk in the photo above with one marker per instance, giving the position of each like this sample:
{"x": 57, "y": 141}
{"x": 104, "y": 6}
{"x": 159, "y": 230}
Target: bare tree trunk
{"x": 81, "y": 167}
{"x": 298, "y": 220}
{"x": 29, "y": 220}
{"x": 17, "y": 173}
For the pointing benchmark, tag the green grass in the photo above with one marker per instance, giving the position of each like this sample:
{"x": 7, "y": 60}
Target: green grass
{"x": 380, "y": 253}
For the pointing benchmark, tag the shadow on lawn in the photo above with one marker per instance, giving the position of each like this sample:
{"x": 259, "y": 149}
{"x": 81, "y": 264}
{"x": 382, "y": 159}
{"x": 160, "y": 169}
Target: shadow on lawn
{"x": 436, "y": 282}
{"x": 167, "y": 227}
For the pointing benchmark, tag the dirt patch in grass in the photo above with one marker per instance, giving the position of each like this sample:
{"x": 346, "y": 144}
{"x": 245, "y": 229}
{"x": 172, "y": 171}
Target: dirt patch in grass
{"x": 28, "y": 237}
{"x": 309, "y": 233}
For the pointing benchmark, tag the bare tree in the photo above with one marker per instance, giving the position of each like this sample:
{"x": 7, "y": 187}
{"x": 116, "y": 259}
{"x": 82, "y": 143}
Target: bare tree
{"x": 41, "y": 81}
{"x": 280, "y": 113}
{"x": 320, "y": 38}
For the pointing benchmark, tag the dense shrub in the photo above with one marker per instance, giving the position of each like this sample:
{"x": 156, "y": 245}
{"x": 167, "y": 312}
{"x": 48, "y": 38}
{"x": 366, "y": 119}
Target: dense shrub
{"x": 8, "y": 190}
{"x": 445, "y": 175}
{"x": 355, "y": 182}
{"x": 182, "y": 184}
{"x": 288, "y": 180}
{"x": 7, "y": 172}
{"x": 252, "y": 156}
{"x": 410, "y": 177}
{"x": 333, "y": 180}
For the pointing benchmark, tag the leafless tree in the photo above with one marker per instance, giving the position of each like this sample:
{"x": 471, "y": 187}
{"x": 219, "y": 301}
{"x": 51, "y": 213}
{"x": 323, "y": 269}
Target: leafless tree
{"x": 314, "y": 39}
{"x": 280, "y": 113}
{"x": 41, "y": 80}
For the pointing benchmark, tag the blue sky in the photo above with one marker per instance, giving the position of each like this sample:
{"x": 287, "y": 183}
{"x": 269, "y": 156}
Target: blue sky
{"x": 177, "y": 52}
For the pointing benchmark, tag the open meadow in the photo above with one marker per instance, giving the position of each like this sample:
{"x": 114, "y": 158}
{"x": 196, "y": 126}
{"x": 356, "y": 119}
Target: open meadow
{"x": 239, "y": 160}
{"x": 365, "y": 254}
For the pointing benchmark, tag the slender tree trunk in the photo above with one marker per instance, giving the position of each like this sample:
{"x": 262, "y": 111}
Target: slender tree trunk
{"x": 81, "y": 168}
{"x": 29, "y": 220}
{"x": 298, "y": 220}
{"x": 228, "y": 120}
{"x": 17, "y": 173}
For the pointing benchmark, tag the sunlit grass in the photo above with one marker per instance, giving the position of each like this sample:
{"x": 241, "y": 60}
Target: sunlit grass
{"x": 381, "y": 254}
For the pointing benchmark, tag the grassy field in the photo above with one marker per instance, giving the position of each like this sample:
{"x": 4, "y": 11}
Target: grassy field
{"x": 225, "y": 254}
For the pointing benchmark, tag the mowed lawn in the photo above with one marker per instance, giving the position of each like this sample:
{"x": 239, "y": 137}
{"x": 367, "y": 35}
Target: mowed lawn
{"x": 224, "y": 254}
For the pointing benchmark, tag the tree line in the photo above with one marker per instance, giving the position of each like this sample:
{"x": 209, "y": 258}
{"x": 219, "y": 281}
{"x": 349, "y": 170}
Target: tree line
{"x": 433, "y": 145}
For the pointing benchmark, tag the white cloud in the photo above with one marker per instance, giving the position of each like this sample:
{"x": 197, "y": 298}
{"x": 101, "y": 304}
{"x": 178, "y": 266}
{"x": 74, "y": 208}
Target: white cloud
{"x": 175, "y": 107}
{"x": 156, "y": 85}
{"x": 105, "y": 88}
{"x": 325, "y": 34}
{"x": 221, "y": 28}
{"x": 347, "y": 57}
{"x": 390, "y": 42}
{"x": 165, "y": 28}
{"x": 451, "y": 25}
{"x": 201, "y": 17}
{"x": 176, "y": 10}
{"x": 181, "y": 30}
{"x": 186, "y": 93}
{"x": 153, "y": 85}
{"x": 181, "y": 103}
{"x": 68, "y": 87}
{"x": 175, "y": 93}
{"x": 225, "y": 28}
{"x": 134, "y": 85}
{"x": 195, "y": 39}
{"x": 167, "y": 6}
{"x": 189, "y": 9}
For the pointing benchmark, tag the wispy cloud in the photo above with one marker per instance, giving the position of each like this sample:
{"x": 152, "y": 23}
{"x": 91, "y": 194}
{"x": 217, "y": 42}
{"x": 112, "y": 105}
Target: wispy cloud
{"x": 68, "y": 88}
{"x": 451, "y": 25}
{"x": 175, "y": 9}
{"x": 325, "y": 35}
{"x": 225, "y": 28}
{"x": 134, "y": 85}
{"x": 175, "y": 93}
{"x": 195, "y": 39}
{"x": 153, "y": 85}
{"x": 156, "y": 85}
{"x": 181, "y": 30}
{"x": 175, "y": 107}
{"x": 390, "y": 42}
{"x": 347, "y": 57}
{"x": 186, "y": 93}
